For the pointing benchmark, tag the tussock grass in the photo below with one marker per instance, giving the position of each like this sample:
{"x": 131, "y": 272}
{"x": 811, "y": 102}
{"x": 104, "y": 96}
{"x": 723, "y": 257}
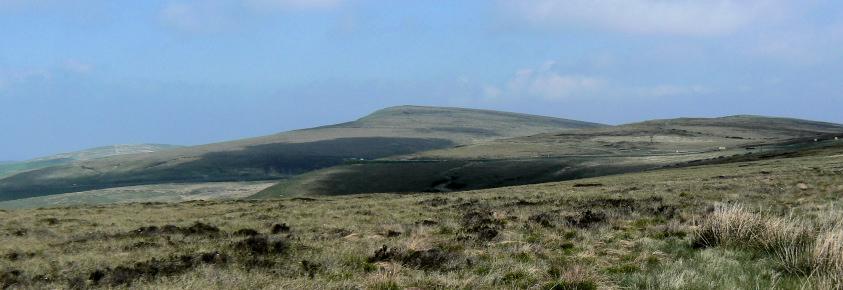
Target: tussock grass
{"x": 827, "y": 257}
{"x": 797, "y": 245}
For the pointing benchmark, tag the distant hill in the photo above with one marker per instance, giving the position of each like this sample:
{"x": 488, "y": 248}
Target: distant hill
{"x": 12, "y": 167}
{"x": 391, "y": 131}
{"x": 563, "y": 156}
{"x": 161, "y": 192}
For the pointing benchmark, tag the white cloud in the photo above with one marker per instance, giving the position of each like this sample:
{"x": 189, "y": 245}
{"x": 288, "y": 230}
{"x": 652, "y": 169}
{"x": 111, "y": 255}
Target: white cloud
{"x": 672, "y": 90}
{"x": 492, "y": 92}
{"x": 687, "y": 17}
{"x": 22, "y": 77}
{"x": 544, "y": 83}
{"x": 77, "y": 67}
{"x": 205, "y": 17}
{"x": 799, "y": 44}
{"x": 13, "y": 78}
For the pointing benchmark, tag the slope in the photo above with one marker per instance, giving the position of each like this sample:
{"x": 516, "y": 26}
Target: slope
{"x": 391, "y": 131}
{"x": 11, "y": 168}
{"x": 562, "y": 156}
{"x": 645, "y": 230}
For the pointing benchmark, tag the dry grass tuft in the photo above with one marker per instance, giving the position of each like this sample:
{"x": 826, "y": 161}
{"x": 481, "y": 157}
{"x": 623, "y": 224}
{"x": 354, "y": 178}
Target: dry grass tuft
{"x": 827, "y": 256}
{"x": 796, "y": 245}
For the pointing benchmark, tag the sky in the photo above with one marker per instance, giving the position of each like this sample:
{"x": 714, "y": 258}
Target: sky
{"x": 87, "y": 73}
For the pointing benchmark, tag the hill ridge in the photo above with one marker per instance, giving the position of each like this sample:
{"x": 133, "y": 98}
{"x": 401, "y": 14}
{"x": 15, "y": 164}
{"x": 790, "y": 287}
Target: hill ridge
{"x": 11, "y": 168}
{"x": 563, "y": 155}
{"x": 289, "y": 153}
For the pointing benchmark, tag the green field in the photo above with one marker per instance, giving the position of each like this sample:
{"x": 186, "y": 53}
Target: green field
{"x": 762, "y": 221}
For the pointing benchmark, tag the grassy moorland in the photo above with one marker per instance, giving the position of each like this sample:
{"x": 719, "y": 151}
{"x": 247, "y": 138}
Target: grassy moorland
{"x": 684, "y": 135}
{"x": 562, "y": 156}
{"x": 770, "y": 221}
{"x": 391, "y": 131}
{"x": 11, "y": 168}
{"x": 163, "y": 192}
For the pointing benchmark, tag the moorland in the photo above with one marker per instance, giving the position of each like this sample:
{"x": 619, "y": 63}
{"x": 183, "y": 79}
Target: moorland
{"x": 8, "y": 168}
{"x": 387, "y": 132}
{"x": 559, "y": 156}
{"x": 764, "y": 221}
{"x": 736, "y": 202}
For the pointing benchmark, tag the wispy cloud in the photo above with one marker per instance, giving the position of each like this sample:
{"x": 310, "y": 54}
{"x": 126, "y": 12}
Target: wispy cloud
{"x": 206, "y": 17}
{"x": 545, "y": 83}
{"x": 13, "y": 80}
{"x": 688, "y": 17}
{"x": 668, "y": 90}
{"x": 799, "y": 43}
{"x": 22, "y": 79}
{"x": 77, "y": 67}
{"x": 216, "y": 16}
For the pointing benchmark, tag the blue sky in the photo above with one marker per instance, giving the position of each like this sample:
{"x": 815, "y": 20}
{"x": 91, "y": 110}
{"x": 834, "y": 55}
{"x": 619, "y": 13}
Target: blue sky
{"x": 86, "y": 73}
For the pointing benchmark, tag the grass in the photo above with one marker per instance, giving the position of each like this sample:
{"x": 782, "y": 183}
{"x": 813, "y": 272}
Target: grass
{"x": 650, "y": 137}
{"x": 798, "y": 246}
{"x": 460, "y": 175}
{"x": 667, "y": 229}
{"x": 565, "y": 155}
{"x": 166, "y": 192}
{"x": 387, "y": 132}
{"x": 11, "y": 168}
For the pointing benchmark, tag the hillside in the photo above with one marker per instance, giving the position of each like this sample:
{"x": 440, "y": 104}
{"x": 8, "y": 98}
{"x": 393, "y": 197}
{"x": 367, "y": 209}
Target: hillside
{"x": 763, "y": 223}
{"x": 11, "y": 168}
{"x": 562, "y": 156}
{"x": 391, "y": 131}
{"x": 162, "y": 192}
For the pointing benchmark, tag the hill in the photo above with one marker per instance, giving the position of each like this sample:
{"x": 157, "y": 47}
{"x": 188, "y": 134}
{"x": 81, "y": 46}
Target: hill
{"x": 562, "y": 156}
{"x": 391, "y": 131}
{"x": 11, "y": 168}
{"x": 162, "y": 192}
{"x": 754, "y": 223}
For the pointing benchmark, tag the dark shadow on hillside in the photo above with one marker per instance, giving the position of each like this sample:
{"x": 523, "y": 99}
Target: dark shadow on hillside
{"x": 458, "y": 175}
